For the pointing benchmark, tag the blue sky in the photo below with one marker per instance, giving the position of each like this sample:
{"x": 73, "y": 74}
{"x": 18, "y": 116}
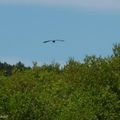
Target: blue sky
{"x": 88, "y": 28}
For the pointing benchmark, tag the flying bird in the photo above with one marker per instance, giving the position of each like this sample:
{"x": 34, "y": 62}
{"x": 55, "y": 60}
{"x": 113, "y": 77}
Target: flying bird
{"x": 53, "y": 41}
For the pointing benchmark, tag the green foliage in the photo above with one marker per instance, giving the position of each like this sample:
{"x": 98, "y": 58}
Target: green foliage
{"x": 79, "y": 91}
{"x": 116, "y": 50}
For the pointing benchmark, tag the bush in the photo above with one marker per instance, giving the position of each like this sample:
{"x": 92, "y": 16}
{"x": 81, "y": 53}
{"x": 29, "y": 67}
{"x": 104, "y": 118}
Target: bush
{"x": 79, "y": 91}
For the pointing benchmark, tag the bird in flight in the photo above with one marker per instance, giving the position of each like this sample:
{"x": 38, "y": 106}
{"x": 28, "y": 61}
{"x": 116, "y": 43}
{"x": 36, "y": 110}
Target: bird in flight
{"x": 53, "y": 41}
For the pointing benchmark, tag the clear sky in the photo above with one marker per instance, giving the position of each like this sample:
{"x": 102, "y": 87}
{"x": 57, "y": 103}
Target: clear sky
{"x": 89, "y": 27}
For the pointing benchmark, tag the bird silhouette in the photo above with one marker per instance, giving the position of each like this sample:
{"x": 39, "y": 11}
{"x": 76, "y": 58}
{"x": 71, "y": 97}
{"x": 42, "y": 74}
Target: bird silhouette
{"x": 53, "y": 41}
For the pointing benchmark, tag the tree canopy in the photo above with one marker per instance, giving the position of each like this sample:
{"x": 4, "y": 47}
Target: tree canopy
{"x": 88, "y": 90}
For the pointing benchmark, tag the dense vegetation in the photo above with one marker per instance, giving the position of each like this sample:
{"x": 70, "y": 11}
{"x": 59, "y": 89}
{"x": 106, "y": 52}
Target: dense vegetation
{"x": 88, "y": 90}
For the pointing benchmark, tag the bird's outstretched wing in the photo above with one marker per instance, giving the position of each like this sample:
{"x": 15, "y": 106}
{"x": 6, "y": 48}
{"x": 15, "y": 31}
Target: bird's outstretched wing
{"x": 46, "y": 41}
{"x": 59, "y": 40}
